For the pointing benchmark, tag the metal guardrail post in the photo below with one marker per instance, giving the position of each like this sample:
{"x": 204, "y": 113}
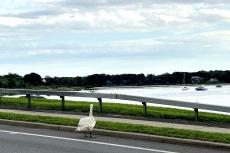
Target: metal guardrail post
{"x": 196, "y": 113}
{"x": 62, "y": 103}
{"x": 28, "y": 96}
{"x": 144, "y": 108}
{"x": 1, "y": 98}
{"x": 100, "y": 105}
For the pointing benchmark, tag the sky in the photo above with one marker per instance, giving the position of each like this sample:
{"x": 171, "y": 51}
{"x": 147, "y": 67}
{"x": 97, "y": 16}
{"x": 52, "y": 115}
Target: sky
{"x": 83, "y": 37}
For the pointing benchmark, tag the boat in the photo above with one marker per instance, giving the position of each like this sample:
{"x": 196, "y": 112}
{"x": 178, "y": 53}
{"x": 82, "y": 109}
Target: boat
{"x": 92, "y": 90}
{"x": 183, "y": 83}
{"x": 201, "y": 88}
{"x": 185, "y": 88}
{"x": 218, "y": 86}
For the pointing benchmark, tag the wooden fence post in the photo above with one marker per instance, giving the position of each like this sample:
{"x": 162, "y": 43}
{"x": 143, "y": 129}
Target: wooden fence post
{"x": 100, "y": 105}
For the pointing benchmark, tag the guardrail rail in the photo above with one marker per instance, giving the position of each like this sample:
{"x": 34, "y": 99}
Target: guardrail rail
{"x": 144, "y": 100}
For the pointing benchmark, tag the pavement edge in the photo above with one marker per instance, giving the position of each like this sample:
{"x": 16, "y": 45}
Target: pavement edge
{"x": 127, "y": 135}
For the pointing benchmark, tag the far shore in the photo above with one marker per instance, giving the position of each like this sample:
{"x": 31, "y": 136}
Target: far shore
{"x": 144, "y": 86}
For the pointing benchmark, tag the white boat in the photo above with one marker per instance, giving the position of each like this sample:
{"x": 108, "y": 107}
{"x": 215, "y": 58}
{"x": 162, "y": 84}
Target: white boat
{"x": 92, "y": 90}
{"x": 201, "y": 88}
{"x": 185, "y": 88}
{"x": 183, "y": 83}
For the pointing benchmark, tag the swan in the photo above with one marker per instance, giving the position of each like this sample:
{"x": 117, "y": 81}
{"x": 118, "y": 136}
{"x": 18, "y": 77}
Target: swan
{"x": 87, "y": 123}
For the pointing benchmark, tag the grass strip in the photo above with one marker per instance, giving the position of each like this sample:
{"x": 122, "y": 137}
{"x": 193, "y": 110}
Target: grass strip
{"x": 115, "y": 109}
{"x": 170, "y": 132}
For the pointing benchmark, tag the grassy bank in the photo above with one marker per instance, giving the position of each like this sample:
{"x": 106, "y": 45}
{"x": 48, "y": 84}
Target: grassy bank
{"x": 170, "y": 132}
{"x": 116, "y": 109}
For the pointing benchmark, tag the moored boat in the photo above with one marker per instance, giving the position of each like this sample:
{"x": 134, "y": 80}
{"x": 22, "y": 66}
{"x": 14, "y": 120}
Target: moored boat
{"x": 183, "y": 83}
{"x": 201, "y": 88}
{"x": 185, "y": 88}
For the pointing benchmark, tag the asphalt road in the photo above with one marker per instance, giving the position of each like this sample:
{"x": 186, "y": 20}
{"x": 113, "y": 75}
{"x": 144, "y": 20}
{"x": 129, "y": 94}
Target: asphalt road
{"x": 28, "y": 140}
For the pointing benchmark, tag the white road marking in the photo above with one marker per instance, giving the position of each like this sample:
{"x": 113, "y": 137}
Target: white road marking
{"x": 13, "y": 133}
{"x": 86, "y": 141}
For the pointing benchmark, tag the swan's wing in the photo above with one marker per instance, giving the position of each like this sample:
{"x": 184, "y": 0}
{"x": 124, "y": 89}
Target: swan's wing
{"x": 86, "y": 123}
{"x": 93, "y": 122}
{"x": 83, "y": 121}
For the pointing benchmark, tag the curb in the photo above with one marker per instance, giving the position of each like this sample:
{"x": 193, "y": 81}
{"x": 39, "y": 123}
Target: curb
{"x": 127, "y": 135}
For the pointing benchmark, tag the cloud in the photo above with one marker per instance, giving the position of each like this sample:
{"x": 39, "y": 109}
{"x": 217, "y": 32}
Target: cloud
{"x": 72, "y": 30}
{"x": 13, "y": 22}
{"x": 35, "y": 14}
{"x": 100, "y": 3}
{"x": 177, "y": 46}
{"x": 118, "y": 15}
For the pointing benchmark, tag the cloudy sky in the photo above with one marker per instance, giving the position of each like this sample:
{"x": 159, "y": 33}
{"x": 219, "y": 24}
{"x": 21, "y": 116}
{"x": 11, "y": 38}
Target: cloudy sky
{"x": 81, "y": 37}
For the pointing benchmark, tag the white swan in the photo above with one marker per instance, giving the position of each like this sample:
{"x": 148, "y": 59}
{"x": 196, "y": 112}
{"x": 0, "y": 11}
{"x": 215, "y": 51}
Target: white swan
{"x": 87, "y": 123}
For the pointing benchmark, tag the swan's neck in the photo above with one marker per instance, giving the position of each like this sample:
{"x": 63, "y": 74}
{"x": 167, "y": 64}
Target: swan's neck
{"x": 91, "y": 111}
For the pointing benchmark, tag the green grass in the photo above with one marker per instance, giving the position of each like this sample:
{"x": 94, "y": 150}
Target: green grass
{"x": 116, "y": 109}
{"x": 170, "y": 132}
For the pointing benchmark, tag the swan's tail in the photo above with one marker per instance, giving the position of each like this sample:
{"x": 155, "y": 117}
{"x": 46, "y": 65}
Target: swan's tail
{"x": 78, "y": 129}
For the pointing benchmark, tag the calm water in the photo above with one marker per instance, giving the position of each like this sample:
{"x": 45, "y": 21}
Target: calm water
{"x": 214, "y": 95}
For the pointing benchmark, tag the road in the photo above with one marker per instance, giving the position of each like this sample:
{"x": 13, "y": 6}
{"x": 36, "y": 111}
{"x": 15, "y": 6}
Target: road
{"x": 29, "y": 140}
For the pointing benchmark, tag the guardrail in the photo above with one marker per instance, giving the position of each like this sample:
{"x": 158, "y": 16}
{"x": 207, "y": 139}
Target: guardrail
{"x": 99, "y": 96}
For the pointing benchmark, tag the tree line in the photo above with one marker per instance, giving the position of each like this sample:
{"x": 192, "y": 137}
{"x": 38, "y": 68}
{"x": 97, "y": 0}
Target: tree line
{"x": 96, "y": 80}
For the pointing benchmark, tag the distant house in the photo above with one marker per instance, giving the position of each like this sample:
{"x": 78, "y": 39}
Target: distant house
{"x": 44, "y": 80}
{"x": 109, "y": 83}
{"x": 213, "y": 80}
{"x": 196, "y": 79}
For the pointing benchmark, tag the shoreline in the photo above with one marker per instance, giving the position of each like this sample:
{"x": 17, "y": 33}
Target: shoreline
{"x": 145, "y": 86}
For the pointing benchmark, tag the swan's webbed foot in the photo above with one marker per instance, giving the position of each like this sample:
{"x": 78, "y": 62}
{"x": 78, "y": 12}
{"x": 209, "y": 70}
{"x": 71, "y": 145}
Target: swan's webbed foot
{"x": 90, "y": 135}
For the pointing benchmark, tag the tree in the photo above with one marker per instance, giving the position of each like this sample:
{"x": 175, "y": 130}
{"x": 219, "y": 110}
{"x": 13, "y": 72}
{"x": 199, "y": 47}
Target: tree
{"x": 33, "y": 79}
{"x": 12, "y": 80}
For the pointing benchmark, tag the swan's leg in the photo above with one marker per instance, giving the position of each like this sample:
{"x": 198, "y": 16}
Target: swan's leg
{"x": 90, "y": 134}
{"x": 85, "y": 134}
